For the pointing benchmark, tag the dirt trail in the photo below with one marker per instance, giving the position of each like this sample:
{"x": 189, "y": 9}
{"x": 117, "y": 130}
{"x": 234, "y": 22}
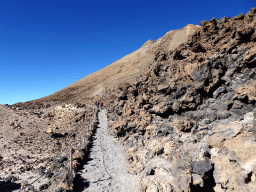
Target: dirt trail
{"x": 105, "y": 168}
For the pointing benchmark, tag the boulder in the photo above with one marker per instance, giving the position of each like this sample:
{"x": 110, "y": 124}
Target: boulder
{"x": 223, "y": 132}
{"x": 49, "y": 130}
{"x": 201, "y": 166}
{"x": 246, "y": 91}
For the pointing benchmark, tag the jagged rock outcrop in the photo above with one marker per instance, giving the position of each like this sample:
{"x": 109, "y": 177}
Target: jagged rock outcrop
{"x": 189, "y": 121}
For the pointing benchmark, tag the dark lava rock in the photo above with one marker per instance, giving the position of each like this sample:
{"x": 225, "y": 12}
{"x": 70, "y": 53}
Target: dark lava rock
{"x": 201, "y": 166}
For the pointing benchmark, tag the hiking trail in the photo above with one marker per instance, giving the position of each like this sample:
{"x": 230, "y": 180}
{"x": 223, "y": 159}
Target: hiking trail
{"x": 105, "y": 167}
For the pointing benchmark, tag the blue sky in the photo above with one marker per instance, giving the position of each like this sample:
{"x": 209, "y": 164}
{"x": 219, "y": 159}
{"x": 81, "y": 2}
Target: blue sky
{"x": 47, "y": 45}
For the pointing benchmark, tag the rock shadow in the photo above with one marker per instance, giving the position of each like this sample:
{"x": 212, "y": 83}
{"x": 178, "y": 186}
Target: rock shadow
{"x": 9, "y": 186}
{"x": 80, "y": 184}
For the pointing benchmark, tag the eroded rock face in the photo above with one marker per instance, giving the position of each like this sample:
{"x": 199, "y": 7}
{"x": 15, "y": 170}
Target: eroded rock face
{"x": 189, "y": 122}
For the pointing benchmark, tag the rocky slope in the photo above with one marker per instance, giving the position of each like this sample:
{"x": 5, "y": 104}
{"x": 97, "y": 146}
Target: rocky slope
{"x": 35, "y": 144}
{"x": 189, "y": 121}
{"x": 101, "y": 84}
{"x": 183, "y": 106}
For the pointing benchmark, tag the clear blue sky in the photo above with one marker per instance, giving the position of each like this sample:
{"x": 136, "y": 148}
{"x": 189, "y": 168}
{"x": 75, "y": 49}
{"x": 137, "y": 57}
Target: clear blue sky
{"x": 46, "y": 45}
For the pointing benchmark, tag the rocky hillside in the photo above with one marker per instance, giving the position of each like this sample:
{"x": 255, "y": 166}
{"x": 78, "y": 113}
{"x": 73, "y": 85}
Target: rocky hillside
{"x": 101, "y": 84}
{"x": 189, "y": 122}
{"x": 183, "y": 106}
{"x": 35, "y": 146}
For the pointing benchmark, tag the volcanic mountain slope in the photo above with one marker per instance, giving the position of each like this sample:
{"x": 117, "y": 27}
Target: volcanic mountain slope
{"x": 100, "y": 84}
{"x": 189, "y": 122}
{"x": 183, "y": 106}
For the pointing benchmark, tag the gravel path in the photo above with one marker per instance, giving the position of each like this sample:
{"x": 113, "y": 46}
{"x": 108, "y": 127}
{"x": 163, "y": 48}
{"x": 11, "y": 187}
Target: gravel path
{"x": 105, "y": 169}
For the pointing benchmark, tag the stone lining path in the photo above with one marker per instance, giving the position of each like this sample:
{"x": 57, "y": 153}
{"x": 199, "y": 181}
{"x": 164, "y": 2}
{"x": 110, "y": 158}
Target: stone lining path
{"x": 105, "y": 168}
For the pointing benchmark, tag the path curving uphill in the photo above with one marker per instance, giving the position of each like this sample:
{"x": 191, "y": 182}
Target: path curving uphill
{"x": 105, "y": 168}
